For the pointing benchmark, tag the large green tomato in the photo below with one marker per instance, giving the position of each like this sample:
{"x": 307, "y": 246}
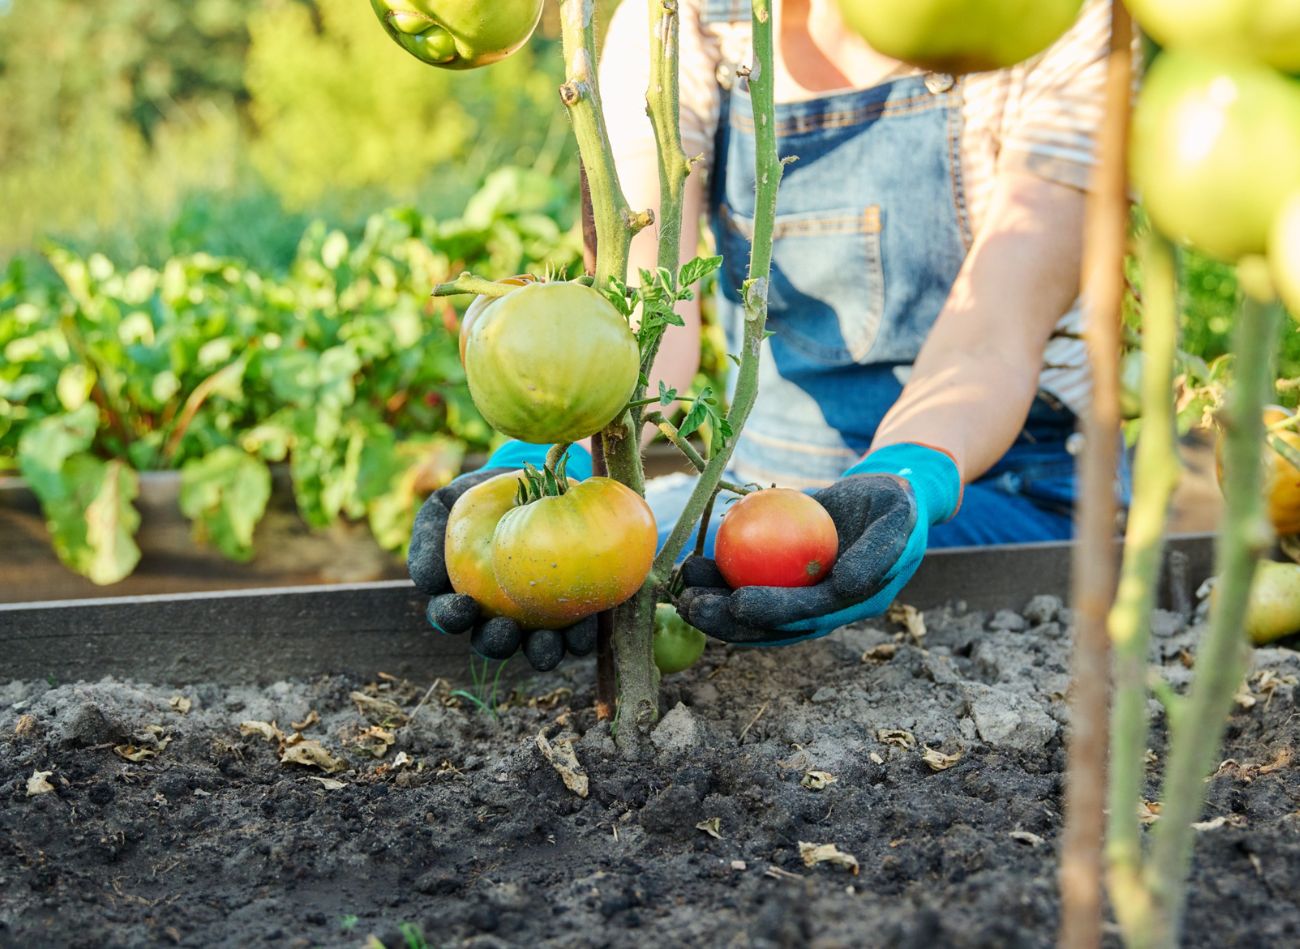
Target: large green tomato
{"x": 1265, "y": 30}
{"x": 565, "y": 557}
{"x": 1216, "y": 150}
{"x": 960, "y": 36}
{"x": 459, "y": 34}
{"x": 1273, "y": 610}
{"x": 551, "y": 362}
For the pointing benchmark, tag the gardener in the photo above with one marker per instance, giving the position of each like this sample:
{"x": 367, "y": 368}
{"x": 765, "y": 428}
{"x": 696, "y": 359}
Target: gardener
{"x": 925, "y": 353}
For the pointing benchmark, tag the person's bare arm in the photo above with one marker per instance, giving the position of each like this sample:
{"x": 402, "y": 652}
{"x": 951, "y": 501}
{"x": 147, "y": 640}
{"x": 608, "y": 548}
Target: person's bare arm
{"x": 977, "y": 373}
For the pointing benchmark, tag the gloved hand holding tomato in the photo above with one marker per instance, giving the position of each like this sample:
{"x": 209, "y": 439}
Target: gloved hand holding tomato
{"x": 882, "y": 510}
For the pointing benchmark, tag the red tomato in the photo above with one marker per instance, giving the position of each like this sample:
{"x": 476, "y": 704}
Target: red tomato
{"x": 778, "y": 537}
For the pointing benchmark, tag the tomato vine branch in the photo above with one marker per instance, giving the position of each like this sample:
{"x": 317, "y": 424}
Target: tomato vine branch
{"x": 468, "y": 283}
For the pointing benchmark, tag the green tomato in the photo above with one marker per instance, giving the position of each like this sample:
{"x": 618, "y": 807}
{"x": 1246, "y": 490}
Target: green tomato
{"x": 551, "y": 362}
{"x": 960, "y": 36}
{"x": 1216, "y": 150}
{"x": 1264, "y": 30}
{"x": 459, "y": 34}
{"x": 1273, "y": 610}
{"x": 678, "y": 645}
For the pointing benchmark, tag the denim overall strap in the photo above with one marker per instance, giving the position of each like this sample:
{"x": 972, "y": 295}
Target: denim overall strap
{"x": 870, "y": 234}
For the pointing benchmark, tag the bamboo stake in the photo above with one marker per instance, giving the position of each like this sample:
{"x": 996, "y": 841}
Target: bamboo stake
{"x": 1094, "y": 562}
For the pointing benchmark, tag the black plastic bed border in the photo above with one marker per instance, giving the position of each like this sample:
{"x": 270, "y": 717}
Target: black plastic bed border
{"x": 262, "y": 635}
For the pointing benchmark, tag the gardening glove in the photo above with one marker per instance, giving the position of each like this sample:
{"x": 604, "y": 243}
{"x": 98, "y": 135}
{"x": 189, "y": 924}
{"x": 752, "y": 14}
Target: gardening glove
{"x": 455, "y": 613}
{"x": 882, "y": 507}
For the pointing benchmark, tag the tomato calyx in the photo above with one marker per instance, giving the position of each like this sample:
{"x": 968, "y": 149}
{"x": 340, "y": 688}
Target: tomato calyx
{"x": 546, "y": 482}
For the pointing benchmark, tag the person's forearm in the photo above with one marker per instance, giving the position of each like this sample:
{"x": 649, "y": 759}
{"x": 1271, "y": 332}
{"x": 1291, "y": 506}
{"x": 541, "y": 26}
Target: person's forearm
{"x": 977, "y": 374}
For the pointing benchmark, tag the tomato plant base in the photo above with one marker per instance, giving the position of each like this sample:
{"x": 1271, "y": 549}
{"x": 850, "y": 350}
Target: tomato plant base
{"x": 217, "y": 842}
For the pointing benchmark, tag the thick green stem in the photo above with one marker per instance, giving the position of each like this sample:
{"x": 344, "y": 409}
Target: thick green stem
{"x": 1221, "y": 659}
{"x": 1155, "y": 475}
{"x": 768, "y": 177}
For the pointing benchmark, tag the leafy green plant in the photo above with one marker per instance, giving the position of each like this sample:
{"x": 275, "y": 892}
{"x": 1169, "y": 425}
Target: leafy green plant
{"x": 342, "y": 368}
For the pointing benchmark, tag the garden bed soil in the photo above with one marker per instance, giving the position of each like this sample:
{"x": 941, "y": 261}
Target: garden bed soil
{"x": 447, "y": 824}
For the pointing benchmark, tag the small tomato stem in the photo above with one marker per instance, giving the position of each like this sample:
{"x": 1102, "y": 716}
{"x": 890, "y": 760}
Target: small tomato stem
{"x": 467, "y": 283}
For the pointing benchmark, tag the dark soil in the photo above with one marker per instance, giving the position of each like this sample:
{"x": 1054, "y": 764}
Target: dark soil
{"x": 463, "y": 833}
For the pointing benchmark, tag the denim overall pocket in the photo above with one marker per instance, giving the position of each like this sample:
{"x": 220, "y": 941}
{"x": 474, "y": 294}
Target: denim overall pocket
{"x": 813, "y": 309}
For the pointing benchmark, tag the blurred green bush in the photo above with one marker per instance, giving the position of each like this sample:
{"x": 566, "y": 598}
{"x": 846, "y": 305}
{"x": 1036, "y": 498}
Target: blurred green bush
{"x": 344, "y": 367}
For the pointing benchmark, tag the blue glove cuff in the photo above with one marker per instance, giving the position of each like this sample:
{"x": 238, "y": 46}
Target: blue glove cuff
{"x": 932, "y": 474}
{"x": 515, "y": 454}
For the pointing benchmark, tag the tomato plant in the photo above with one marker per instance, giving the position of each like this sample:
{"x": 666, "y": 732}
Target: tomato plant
{"x": 1214, "y": 150}
{"x": 551, "y": 362}
{"x": 678, "y": 645}
{"x": 778, "y": 537}
{"x": 459, "y": 34}
{"x": 567, "y": 556}
{"x": 959, "y": 36}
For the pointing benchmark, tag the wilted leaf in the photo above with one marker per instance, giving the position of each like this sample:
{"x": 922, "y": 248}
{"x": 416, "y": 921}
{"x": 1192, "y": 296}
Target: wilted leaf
{"x": 817, "y": 780}
{"x": 910, "y": 618}
{"x": 562, "y": 758}
{"x": 937, "y": 760}
{"x": 180, "y": 704}
{"x": 813, "y": 854}
{"x": 25, "y": 727}
{"x": 267, "y": 730}
{"x": 897, "y": 736}
{"x": 1149, "y": 811}
{"x": 310, "y": 754}
{"x": 37, "y": 783}
{"x": 375, "y": 741}
{"x": 311, "y": 719}
{"x": 378, "y": 711}
{"x": 1025, "y": 837}
{"x": 135, "y": 753}
{"x": 712, "y": 827}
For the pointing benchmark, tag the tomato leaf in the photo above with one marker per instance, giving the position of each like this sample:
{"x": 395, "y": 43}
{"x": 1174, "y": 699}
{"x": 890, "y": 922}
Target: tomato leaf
{"x": 666, "y": 395}
{"x": 696, "y": 270}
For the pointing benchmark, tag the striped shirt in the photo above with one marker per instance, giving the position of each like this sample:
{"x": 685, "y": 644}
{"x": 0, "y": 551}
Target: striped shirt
{"x": 1038, "y": 117}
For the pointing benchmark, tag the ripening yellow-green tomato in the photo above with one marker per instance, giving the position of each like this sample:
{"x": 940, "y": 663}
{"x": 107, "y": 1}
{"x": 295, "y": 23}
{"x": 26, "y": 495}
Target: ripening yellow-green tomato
{"x": 459, "y": 34}
{"x": 1273, "y": 610}
{"x": 960, "y": 36}
{"x": 1264, "y": 30}
{"x": 1284, "y": 253}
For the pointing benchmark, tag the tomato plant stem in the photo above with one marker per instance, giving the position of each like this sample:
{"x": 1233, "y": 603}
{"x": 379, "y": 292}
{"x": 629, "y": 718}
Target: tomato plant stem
{"x": 1222, "y": 658}
{"x": 1105, "y": 236}
{"x": 670, "y": 432}
{"x": 467, "y": 283}
{"x": 1156, "y": 473}
{"x": 754, "y": 292}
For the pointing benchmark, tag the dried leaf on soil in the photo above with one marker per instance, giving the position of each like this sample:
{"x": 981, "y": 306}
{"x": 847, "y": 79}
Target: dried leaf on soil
{"x": 329, "y": 784}
{"x": 375, "y": 741}
{"x": 311, "y": 719}
{"x": 1249, "y": 772}
{"x": 551, "y": 699}
{"x": 1025, "y": 837}
{"x": 813, "y": 854}
{"x": 378, "y": 711}
{"x": 1149, "y": 811}
{"x": 268, "y": 730}
{"x": 1244, "y": 698}
{"x": 180, "y": 704}
{"x": 309, "y": 753}
{"x": 560, "y": 755}
{"x": 712, "y": 827}
{"x": 25, "y": 727}
{"x": 937, "y": 760}
{"x": 147, "y": 743}
{"x": 910, "y": 618}
{"x": 881, "y": 652}
{"x": 875, "y": 756}
{"x": 402, "y": 760}
{"x": 817, "y": 780}
{"x": 900, "y": 737}
{"x": 37, "y": 783}
{"x": 1223, "y": 820}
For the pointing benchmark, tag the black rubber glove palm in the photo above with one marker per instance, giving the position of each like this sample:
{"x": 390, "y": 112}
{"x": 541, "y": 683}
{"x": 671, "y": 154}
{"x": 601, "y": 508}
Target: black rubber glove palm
{"x": 456, "y": 613}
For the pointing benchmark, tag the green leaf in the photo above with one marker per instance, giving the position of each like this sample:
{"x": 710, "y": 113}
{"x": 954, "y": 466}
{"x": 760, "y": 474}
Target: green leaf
{"x": 697, "y": 416}
{"x": 666, "y": 395}
{"x": 695, "y": 270}
{"x": 92, "y": 523}
{"x": 47, "y": 445}
{"x": 225, "y": 493}
{"x": 75, "y": 382}
{"x": 734, "y": 358}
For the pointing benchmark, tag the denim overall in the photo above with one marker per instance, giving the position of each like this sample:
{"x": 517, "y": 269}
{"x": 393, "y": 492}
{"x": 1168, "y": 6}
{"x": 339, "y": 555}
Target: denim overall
{"x": 871, "y": 231}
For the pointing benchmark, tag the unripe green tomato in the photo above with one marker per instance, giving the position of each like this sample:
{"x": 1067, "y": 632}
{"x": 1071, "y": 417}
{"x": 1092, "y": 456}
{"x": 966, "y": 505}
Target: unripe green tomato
{"x": 1284, "y": 254}
{"x": 551, "y": 362}
{"x": 1216, "y": 150}
{"x": 1130, "y": 384}
{"x": 459, "y": 34}
{"x": 960, "y": 36}
{"x": 1263, "y": 30}
{"x": 1273, "y": 610}
{"x": 678, "y": 644}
